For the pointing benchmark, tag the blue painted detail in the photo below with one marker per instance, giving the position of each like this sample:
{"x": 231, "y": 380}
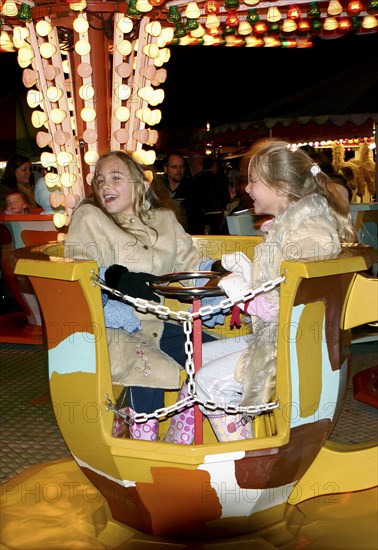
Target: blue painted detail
{"x": 77, "y": 353}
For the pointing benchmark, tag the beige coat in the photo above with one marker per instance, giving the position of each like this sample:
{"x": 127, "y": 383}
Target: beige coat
{"x": 158, "y": 248}
{"x": 305, "y": 230}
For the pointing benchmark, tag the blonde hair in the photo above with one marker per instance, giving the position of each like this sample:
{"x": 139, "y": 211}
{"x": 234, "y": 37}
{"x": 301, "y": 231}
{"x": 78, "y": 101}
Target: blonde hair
{"x": 295, "y": 174}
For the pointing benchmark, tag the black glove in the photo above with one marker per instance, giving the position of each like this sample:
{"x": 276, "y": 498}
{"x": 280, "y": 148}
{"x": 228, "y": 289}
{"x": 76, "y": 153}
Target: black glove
{"x": 132, "y": 284}
{"x": 218, "y": 267}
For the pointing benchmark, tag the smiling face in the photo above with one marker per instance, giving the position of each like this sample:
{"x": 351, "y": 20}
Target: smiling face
{"x": 23, "y": 173}
{"x": 115, "y": 186}
{"x": 266, "y": 199}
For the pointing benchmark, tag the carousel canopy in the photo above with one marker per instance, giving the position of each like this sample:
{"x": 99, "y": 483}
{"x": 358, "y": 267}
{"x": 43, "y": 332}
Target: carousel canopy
{"x": 343, "y": 105}
{"x": 250, "y": 23}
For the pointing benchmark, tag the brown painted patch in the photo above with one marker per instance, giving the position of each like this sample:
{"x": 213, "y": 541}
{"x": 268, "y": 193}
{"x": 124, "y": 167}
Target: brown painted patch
{"x": 125, "y": 503}
{"x": 331, "y": 290}
{"x": 177, "y": 503}
{"x": 53, "y": 296}
{"x": 288, "y": 464}
{"x": 180, "y": 501}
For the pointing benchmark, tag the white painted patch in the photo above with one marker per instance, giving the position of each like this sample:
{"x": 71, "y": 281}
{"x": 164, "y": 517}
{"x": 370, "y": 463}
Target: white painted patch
{"x": 236, "y": 501}
{"x": 224, "y": 457}
{"x": 74, "y": 354}
{"x": 123, "y": 482}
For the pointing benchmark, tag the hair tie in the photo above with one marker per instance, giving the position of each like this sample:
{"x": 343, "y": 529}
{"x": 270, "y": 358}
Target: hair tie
{"x": 315, "y": 169}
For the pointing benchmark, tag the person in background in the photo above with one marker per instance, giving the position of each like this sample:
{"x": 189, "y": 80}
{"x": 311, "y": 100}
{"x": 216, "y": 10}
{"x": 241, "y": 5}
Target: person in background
{"x": 211, "y": 194}
{"x": 16, "y": 203}
{"x": 18, "y": 175}
{"x": 131, "y": 230}
{"x": 177, "y": 184}
{"x": 309, "y": 221}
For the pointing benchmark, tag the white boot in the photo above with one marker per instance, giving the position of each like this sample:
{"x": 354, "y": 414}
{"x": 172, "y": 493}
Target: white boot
{"x": 231, "y": 427}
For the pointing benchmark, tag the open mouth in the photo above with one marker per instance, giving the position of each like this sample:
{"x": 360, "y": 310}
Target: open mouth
{"x": 109, "y": 198}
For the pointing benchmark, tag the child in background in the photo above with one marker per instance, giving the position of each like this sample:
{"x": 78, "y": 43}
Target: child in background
{"x": 16, "y": 203}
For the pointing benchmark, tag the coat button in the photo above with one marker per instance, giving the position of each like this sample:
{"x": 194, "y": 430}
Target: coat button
{"x": 145, "y": 247}
{"x": 154, "y": 334}
{"x": 132, "y": 220}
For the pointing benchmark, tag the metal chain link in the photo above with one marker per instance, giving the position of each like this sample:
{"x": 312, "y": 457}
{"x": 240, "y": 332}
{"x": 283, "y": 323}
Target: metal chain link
{"x": 187, "y": 318}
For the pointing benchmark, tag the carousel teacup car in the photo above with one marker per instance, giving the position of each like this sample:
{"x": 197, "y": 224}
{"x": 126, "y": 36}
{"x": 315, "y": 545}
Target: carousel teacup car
{"x": 285, "y": 483}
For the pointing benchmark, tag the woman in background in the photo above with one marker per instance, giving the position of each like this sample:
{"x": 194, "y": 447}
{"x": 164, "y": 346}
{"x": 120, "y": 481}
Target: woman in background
{"x": 18, "y": 175}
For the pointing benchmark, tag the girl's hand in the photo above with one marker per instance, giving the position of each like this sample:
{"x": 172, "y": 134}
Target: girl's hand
{"x": 237, "y": 262}
{"x": 132, "y": 284}
{"x": 234, "y": 285}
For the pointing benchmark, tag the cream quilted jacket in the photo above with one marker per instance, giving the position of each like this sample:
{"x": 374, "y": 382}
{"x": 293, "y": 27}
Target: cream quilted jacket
{"x": 158, "y": 248}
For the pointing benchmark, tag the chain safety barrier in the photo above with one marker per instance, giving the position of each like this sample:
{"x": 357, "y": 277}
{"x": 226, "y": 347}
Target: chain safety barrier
{"x": 187, "y": 318}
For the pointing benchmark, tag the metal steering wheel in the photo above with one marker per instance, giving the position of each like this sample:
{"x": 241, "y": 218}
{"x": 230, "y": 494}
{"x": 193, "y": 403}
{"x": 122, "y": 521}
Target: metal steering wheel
{"x": 160, "y": 285}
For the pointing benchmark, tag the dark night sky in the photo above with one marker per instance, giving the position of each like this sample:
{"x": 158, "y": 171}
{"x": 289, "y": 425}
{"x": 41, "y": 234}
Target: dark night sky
{"x": 221, "y": 85}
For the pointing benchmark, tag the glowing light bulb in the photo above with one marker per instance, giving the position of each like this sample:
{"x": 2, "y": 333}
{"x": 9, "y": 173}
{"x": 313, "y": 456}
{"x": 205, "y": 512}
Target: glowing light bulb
{"x": 192, "y": 11}
{"x": 60, "y": 219}
{"x": 87, "y": 92}
{"x": 82, "y": 47}
{"x": 143, "y": 6}
{"x": 47, "y": 50}
{"x": 78, "y": 6}
{"x": 244, "y": 28}
{"x": 122, "y": 114}
{"x": 151, "y": 50}
{"x": 68, "y": 179}
{"x": 91, "y": 157}
{"x": 167, "y": 34}
{"x": 146, "y": 93}
{"x": 43, "y": 27}
{"x": 124, "y": 47}
{"x": 330, "y": 24}
{"x": 66, "y": 66}
{"x": 57, "y": 115}
{"x": 52, "y": 179}
{"x": 273, "y": 14}
{"x": 153, "y": 28}
{"x": 88, "y": 114}
{"x": 38, "y": 118}
{"x": 369, "y": 22}
{"x": 212, "y": 21}
{"x": 25, "y": 54}
{"x": 123, "y": 92}
{"x": 54, "y": 94}
{"x": 34, "y": 98}
{"x": 19, "y": 35}
{"x": 43, "y": 139}
{"x": 64, "y": 158}
{"x": 10, "y": 9}
{"x": 48, "y": 159}
{"x": 80, "y": 24}
{"x": 125, "y": 25}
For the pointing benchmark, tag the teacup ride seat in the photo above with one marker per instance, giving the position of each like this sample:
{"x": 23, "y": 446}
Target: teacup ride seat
{"x": 162, "y": 491}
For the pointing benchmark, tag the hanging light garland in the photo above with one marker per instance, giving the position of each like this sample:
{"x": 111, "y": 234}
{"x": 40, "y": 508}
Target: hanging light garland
{"x": 212, "y": 21}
